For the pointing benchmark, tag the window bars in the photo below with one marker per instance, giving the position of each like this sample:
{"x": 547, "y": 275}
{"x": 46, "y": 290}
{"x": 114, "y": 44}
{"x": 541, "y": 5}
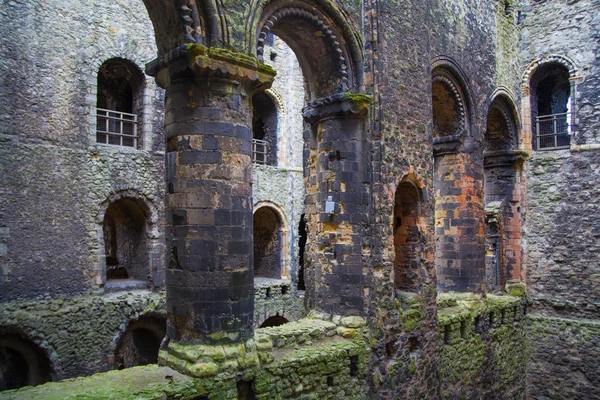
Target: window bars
{"x": 259, "y": 151}
{"x": 116, "y": 128}
{"x": 553, "y": 131}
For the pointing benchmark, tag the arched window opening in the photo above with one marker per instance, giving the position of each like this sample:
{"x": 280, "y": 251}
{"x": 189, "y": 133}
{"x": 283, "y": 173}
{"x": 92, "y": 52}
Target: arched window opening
{"x": 264, "y": 130}
{"x": 275, "y": 320}
{"x": 125, "y": 241}
{"x": 140, "y": 343}
{"x": 301, "y": 248}
{"x": 22, "y": 363}
{"x": 550, "y": 92}
{"x": 501, "y": 196}
{"x": 119, "y": 103}
{"x": 267, "y": 243}
{"x": 408, "y": 244}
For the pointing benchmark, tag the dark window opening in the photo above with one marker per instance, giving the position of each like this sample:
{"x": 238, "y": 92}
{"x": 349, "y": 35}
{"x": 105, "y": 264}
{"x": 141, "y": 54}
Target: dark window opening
{"x": 140, "y": 343}
{"x": 330, "y": 381}
{"x": 407, "y": 238}
{"x": 354, "y": 366}
{"x": 125, "y": 241}
{"x": 267, "y": 243}
{"x": 275, "y": 320}
{"x": 119, "y": 103}
{"x": 301, "y": 249}
{"x": 550, "y": 91}
{"x": 413, "y": 344}
{"x": 264, "y": 129}
{"x": 245, "y": 390}
{"x": 22, "y": 363}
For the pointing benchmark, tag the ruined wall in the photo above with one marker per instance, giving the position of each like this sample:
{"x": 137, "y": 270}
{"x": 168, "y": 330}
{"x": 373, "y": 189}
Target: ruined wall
{"x": 79, "y": 335}
{"x": 477, "y": 42}
{"x": 57, "y": 181}
{"x": 561, "y": 233}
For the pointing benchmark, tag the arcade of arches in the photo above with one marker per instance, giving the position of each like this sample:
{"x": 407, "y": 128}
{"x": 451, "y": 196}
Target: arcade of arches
{"x": 422, "y": 251}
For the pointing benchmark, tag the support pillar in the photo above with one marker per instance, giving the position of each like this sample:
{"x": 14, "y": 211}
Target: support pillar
{"x": 209, "y": 276}
{"x": 338, "y": 168}
{"x": 459, "y": 218}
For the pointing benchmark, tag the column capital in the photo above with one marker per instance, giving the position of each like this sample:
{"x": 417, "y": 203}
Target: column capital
{"x": 212, "y": 64}
{"x": 337, "y": 105}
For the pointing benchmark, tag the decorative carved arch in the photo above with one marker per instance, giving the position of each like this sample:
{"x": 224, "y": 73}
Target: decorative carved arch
{"x": 343, "y": 66}
{"x": 184, "y": 21}
{"x": 447, "y": 73}
{"x": 503, "y": 106}
{"x": 541, "y": 61}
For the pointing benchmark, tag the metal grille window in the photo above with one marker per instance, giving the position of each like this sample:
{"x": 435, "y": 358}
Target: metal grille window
{"x": 553, "y": 131}
{"x": 259, "y": 151}
{"x": 116, "y": 128}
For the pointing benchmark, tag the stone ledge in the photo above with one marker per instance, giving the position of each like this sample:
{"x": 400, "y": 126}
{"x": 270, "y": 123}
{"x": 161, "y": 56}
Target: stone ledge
{"x": 147, "y": 382}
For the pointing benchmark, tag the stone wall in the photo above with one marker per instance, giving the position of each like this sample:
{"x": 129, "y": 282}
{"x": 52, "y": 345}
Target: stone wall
{"x": 79, "y": 335}
{"x": 562, "y": 233}
{"x": 53, "y": 200}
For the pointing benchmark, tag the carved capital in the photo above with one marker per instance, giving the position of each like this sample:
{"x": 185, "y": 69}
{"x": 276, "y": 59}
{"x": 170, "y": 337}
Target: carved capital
{"x": 337, "y": 105}
{"x": 211, "y": 63}
{"x": 506, "y": 158}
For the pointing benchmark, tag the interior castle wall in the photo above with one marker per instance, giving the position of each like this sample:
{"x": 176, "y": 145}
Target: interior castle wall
{"x": 56, "y": 179}
{"x": 562, "y": 231}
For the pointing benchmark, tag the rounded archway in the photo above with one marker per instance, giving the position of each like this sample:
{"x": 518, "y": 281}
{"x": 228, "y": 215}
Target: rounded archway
{"x": 275, "y": 320}
{"x": 125, "y": 240}
{"x": 408, "y": 244}
{"x": 267, "y": 243}
{"x": 22, "y": 363}
{"x": 140, "y": 343}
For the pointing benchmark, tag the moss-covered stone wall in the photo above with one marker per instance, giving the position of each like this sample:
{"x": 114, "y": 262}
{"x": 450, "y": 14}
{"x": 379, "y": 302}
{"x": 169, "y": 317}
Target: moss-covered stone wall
{"x": 309, "y": 359}
{"x": 483, "y": 347}
{"x": 79, "y": 335}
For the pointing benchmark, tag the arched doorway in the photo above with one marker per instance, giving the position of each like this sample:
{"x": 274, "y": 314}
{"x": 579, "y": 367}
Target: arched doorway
{"x": 267, "y": 243}
{"x": 22, "y": 363}
{"x": 125, "y": 241}
{"x": 140, "y": 343}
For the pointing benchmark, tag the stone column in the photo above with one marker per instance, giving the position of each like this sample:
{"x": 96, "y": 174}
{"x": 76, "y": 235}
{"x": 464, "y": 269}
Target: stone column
{"x": 209, "y": 274}
{"x": 459, "y": 218}
{"x": 338, "y": 167}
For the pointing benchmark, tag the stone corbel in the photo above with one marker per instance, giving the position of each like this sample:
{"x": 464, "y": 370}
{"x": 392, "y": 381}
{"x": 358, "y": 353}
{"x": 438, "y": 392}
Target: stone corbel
{"x": 446, "y": 144}
{"x": 507, "y": 158}
{"x": 336, "y": 106}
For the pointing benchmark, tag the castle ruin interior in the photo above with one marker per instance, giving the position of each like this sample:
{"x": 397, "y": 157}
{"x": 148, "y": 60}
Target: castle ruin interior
{"x": 300, "y": 199}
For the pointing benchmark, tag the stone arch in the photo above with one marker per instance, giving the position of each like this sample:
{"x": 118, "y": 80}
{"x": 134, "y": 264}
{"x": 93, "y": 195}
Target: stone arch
{"x": 408, "y": 230}
{"x": 185, "y": 21}
{"x": 331, "y": 60}
{"x": 22, "y": 361}
{"x": 538, "y": 70}
{"x": 272, "y": 246}
{"x": 119, "y": 99}
{"x": 150, "y": 271}
{"x": 541, "y": 61}
{"x": 138, "y": 342}
{"x": 266, "y": 121}
{"x": 274, "y": 320}
{"x": 451, "y": 103}
{"x": 501, "y": 132}
{"x": 503, "y": 194}
{"x": 145, "y": 89}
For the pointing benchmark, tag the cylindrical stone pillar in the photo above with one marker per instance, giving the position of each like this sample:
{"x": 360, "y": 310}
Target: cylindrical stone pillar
{"x": 339, "y": 174}
{"x": 459, "y": 223}
{"x": 208, "y": 113}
